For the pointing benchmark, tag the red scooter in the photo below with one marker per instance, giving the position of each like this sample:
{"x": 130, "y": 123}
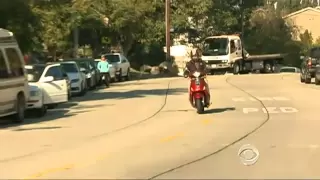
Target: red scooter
{"x": 198, "y": 97}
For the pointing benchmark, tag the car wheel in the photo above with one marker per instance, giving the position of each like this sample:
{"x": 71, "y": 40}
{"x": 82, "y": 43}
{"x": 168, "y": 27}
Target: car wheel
{"x": 128, "y": 76}
{"x": 301, "y": 79}
{"x": 89, "y": 83}
{"x": 119, "y": 77}
{"x": 317, "y": 81}
{"x": 41, "y": 111}
{"x": 83, "y": 89}
{"x": 69, "y": 95}
{"x": 52, "y": 106}
{"x": 112, "y": 80}
{"x": 20, "y": 107}
{"x": 307, "y": 80}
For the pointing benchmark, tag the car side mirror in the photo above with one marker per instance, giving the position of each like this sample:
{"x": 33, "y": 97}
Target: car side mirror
{"x": 48, "y": 79}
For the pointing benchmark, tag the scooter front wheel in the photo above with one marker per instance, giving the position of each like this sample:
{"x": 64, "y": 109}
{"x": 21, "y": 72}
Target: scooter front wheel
{"x": 199, "y": 105}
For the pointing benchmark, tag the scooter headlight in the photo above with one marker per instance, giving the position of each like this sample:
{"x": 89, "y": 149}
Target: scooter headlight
{"x": 196, "y": 74}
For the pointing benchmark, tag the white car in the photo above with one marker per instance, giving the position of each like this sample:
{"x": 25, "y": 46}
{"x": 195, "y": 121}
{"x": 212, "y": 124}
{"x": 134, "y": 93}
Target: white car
{"x": 14, "y": 91}
{"x": 120, "y": 64}
{"x": 288, "y": 69}
{"x": 47, "y": 85}
{"x": 77, "y": 78}
{"x": 35, "y": 101}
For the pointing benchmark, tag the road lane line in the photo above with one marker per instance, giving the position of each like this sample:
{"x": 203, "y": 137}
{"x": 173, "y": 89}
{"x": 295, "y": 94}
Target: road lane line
{"x": 67, "y": 167}
{"x": 50, "y": 171}
{"x": 170, "y": 138}
{"x": 206, "y": 121}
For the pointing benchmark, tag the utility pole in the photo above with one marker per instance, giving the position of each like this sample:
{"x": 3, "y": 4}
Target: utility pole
{"x": 242, "y": 19}
{"x": 168, "y": 39}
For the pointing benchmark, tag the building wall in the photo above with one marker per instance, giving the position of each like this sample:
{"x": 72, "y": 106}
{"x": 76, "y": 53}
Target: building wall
{"x": 307, "y": 20}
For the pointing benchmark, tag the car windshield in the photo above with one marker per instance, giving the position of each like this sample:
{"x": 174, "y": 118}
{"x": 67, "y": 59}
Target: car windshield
{"x": 84, "y": 65}
{"x": 315, "y": 52}
{"x": 35, "y": 73}
{"x": 112, "y": 58}
{"x": 215, "y": 47}
{"x": 288, "y": 70}
{"x": 69, "y": 67}
{"x": 96, "y": 63}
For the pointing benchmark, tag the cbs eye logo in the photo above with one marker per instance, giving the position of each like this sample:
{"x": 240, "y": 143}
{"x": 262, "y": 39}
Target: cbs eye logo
{"x": 248, "y": 154}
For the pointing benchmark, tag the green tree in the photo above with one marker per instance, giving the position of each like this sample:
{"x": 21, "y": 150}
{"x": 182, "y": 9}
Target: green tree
{"x": 306, "y": 40}
{"x": 17, "y": 16}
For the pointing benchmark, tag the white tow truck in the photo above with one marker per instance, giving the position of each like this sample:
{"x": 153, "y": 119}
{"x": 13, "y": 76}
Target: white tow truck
{"x": 226, "y": 53}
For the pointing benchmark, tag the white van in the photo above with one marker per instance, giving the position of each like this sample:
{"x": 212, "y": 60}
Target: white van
{"x": 14, "y": 90}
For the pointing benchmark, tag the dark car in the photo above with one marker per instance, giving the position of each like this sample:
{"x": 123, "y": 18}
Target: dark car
{"x": 309, "y": 64}
{"x": 87, "y": 65}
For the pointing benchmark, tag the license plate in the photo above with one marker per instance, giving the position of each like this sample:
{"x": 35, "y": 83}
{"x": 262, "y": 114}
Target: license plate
{"x": 74, "y": 85}
{"x": 213, "y": 65}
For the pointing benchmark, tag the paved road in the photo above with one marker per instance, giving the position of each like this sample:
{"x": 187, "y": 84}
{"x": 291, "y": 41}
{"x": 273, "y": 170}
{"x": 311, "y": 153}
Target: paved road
{"x": 148, "y": 130}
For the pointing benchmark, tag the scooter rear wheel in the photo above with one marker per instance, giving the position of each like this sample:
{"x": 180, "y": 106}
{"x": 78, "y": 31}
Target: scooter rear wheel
{"x": 199, "y": 105}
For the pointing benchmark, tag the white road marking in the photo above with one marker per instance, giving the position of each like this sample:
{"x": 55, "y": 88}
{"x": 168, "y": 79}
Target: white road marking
{"x": 270, "y": 110}
{"x": 265, "y": 98}
{"x": 281, "y": 98}
{"x": 244, "y": 99}
{"x": 309, "y": 146}
{"x": 238, "y": 99}
{"x": 288, "y": 109}
{"x": 248, "y": 110}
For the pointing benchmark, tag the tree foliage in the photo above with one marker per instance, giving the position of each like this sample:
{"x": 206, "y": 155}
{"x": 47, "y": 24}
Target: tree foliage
{"x": 138, "y": 27}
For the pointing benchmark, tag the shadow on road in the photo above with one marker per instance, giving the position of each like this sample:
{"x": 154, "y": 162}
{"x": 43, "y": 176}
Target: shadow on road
{"x": 132, "y": 94}
{"x": 219, "y": 110}
{"x": 62, "y": 111}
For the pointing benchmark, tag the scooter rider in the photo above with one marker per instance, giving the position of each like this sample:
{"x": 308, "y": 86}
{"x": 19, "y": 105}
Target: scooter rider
{"x": 197, "y": 64}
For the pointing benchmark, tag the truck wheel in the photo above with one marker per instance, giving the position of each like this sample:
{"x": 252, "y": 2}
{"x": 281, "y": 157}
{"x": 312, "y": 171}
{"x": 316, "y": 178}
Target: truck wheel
{"x": 267, "y": 68}
{"x": 236, "y": 68}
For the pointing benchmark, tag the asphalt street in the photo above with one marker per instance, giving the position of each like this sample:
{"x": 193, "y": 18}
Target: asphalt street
{"x": 147, "y": 129}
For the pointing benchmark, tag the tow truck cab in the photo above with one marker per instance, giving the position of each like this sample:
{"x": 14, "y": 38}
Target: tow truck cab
{"x": 225, "y": 52}
{"x": 220, "y": 52}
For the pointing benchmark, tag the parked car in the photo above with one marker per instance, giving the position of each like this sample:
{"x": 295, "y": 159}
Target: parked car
{"x": 77, "y": 78}
{"x": 287, "y": 69}
{"x": 48, "y": 84}
{"x": 317, "y": 75}
{"x": 87, "y": 66}
{"x": 308, "y": 65}
{"x": 14, "y": 89}
{"x": 120, "y": 64}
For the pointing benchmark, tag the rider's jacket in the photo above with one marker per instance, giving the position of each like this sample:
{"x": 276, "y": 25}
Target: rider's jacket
{"x": 196, "y": 65}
